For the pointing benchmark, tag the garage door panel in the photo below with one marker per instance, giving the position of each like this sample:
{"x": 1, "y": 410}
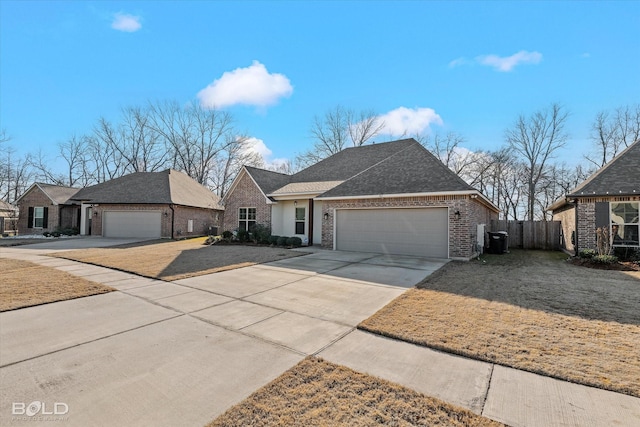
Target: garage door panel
{"x": 420, "y": 232}
{"x": 132, "y": 224}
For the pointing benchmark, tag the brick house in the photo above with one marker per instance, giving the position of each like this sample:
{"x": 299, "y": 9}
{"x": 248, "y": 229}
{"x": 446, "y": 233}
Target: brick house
{"x": 394, "y": 197}
{"x": 609, "y": 198}
{"x": 166, "y": 204}
{"x": 45, "y": 207}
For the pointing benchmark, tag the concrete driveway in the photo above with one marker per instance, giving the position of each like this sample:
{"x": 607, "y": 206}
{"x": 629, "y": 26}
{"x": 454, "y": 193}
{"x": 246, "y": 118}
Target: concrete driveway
{"x": 181, "y": 353}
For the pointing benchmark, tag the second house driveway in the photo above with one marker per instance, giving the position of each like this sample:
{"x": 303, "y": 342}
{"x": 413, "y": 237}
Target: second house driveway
{"x": 181, "y": 353}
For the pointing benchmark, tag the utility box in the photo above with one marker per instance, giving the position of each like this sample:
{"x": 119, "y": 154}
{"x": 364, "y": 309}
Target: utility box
{"x": 498, "y": 242}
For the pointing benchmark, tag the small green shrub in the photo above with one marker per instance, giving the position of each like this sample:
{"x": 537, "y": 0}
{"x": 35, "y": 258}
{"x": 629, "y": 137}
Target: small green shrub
{"x": 56, "y": 233}
{"x": 260, "y": 233}
{"x": 587, "y": 253}
{"x": 273, "y": 240}
{"x": 227, "y": 235}
{"x": 282, "y": 241}
{"x": 68, "y": 231}
{"x": 46, "y": 234}
{"x": 296, "y": 242}
{"x": 605, "y": 259}
{"x": 243, "y": 235}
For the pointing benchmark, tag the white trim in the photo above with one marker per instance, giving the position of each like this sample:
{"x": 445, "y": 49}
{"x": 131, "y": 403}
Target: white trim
{"x": 294, "y": 196}
{"x": 437, "y": 193}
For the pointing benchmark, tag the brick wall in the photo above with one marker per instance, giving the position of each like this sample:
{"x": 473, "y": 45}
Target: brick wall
{"x": 245, "y": 195}
{"x": 462, "y": 231}
{"x": 586, "y": 224}
{"x": 36, "y": 198}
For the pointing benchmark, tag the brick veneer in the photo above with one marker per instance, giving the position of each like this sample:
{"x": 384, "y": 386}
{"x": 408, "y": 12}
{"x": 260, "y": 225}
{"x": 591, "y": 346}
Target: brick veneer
{"x": 202, "y": 218}
{"x": 58, "y": 215}
{"x": 245, "y": 195}
{"x": 462, "y": 231}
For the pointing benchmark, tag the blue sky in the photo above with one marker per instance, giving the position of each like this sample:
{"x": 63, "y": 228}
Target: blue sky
{"x": 469, "y": 67}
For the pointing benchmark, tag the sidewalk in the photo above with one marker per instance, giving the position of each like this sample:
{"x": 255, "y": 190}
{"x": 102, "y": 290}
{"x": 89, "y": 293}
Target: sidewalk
{"x": 513, "y": 397}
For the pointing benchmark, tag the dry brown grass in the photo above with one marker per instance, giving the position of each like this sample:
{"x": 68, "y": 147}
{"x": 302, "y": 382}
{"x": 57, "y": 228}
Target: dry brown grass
{"x": 319, "y": 393}
{"x": 24, "y": 284}
{"x": 528, "y": 310}
{"x": 174, "y": 260}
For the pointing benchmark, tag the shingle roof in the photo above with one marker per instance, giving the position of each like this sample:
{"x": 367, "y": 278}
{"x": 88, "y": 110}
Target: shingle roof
{"x": 58, "y": 194}
{"x": 621, "y": 176}
{"x": 7, "y": 207}
{"x": 166, "y": 187}
{"x": 268, "y": 181}
{"x": 410, "y": 170}
{"x": 350, "y": 161}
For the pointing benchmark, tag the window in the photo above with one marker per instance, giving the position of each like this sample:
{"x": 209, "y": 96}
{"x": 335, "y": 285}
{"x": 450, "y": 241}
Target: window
{"x": 624, "y": 223}
{"x": 300, "y": 214}
{"x": 246, "y": 218}
{"x": 190, "y": 226}
{"x": 37, "y": 217}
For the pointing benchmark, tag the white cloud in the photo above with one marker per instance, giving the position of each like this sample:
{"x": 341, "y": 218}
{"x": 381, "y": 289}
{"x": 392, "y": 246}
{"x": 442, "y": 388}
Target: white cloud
{"x": 408, "y": 121}
{"x": 257, "y": 146}
{"x": 253, "y": 85}
{"x": 507, "y": 63}
{"x": 458, "y": 62}
{"x": 125, "y": 22}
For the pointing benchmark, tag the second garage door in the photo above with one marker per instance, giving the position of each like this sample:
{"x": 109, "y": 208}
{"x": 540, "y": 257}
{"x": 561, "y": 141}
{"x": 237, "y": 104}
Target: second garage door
{"x": 132, "y": 224}
{"x": 419, "y": 232}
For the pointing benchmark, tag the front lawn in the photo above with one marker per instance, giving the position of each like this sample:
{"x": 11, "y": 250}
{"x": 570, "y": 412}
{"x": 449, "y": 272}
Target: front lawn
{"x": 173, "y": 260}
{"x": 319, "y": 393}
{"x": 530, "y": 310}
{"x": 24, "y": 284}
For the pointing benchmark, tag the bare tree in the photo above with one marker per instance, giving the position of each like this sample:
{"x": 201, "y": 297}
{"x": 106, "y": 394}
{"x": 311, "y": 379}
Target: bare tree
{"x": 229, "y": 162}
{"x": 74, "y": 152}
{"x": 612, "y": 132}
{"x": 535, "y": 139}
{"x": 338, "y": 129}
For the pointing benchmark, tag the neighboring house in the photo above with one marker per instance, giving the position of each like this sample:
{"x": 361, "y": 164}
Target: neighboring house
{"x": 143, "y": 204}
{"x": 394, "y": 197}
{"x": 149, "y": 204}
{"x": 8, "y": 217}
{"x": 609, "y": 198}
{"x": 45, "y": 207}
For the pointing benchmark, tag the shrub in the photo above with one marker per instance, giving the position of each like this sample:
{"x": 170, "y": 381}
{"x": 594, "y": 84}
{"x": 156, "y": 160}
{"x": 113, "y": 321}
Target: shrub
{"x": 69, "y": 231}
{"x": 243, "y": 235}
{"x": 273, "y": 240}
{"x": 282, "y": 241}
{"x": 56, "y": 233}
{"x": 261, "y": 233}
{"x": 296, "y": 242}
{"x": 605, "y": 259}
{"x": 46, "y": 234}
{"x": 587, "y": 253}
{"x": 627, "y": 254}
{"x": 227, "y": 235}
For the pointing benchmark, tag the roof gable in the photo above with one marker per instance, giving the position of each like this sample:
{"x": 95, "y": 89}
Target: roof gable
{"x": 268, "y": 181}
{"x": 58, "y": 194}
{"x": 166, "y": 187}
{"x": 621, "y": 176}
{"x": 409, "y": 171}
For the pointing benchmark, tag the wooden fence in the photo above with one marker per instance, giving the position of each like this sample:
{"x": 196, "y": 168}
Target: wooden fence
{"x": 530, "y": 234}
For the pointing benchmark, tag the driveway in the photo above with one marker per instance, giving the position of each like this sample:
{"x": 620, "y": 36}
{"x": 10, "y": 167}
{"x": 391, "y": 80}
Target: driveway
{"x": 181, "y": 353}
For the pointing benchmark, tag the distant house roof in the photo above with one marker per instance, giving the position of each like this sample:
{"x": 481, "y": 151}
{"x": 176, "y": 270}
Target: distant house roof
{"x": 7, "y": 207}
{"x": 166, "y": 187}
{"x": 621, "y": 176}
{"x": 58, "y": 194}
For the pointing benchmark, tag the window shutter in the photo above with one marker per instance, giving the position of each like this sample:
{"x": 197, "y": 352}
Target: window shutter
{"x": 46, "y": 218}
{"x": 30, "y": 218}
{"x": 602, "y": 214}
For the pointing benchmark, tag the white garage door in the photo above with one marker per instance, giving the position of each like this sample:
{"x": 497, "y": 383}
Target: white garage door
{"x": 419, "y": 232}
{"x": 132, "y": 224}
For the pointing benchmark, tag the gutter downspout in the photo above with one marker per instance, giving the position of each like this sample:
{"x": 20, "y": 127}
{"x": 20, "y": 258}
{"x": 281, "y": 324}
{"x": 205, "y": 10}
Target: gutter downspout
{"x": 173, "y": 216}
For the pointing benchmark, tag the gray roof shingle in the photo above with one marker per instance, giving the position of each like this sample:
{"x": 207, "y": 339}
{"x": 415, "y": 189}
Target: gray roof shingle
{"x": 621, "y": 176}
{"x": 396, "y": 167}
{"x": 268, "y": 181}
{"x": 59, "y": 194}
{"x": 166, "y": 187}
{"x": 411, "y": 170}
